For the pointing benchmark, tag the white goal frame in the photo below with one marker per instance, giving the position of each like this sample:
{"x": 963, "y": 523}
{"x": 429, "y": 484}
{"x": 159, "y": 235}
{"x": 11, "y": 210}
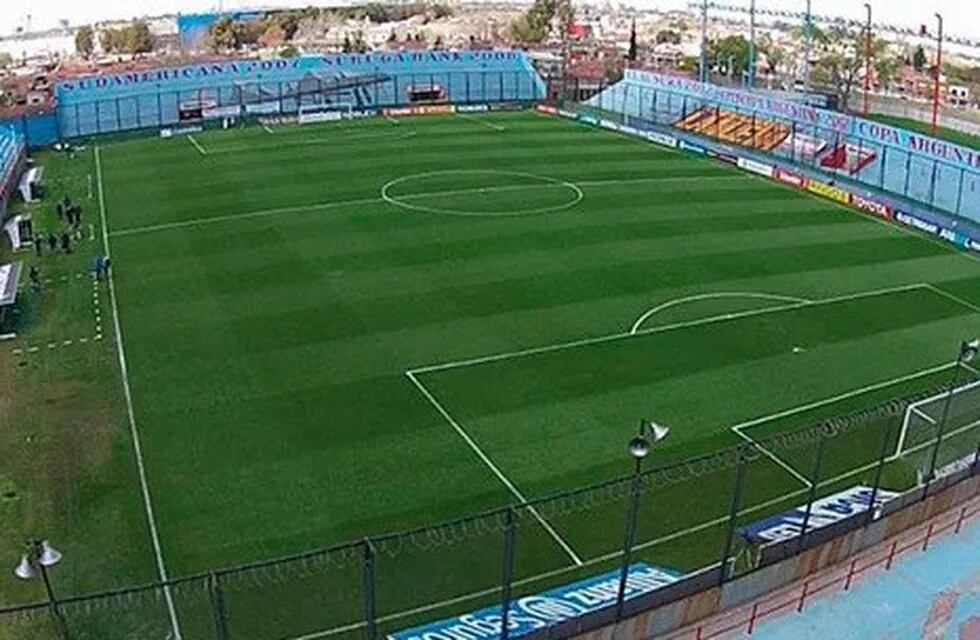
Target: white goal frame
{"x": 914, "y": 409}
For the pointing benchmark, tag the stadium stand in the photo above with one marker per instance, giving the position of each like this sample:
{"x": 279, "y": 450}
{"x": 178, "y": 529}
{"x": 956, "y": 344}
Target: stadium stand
{"x": 12, "y": 155}
{"x": 923, "y": 169}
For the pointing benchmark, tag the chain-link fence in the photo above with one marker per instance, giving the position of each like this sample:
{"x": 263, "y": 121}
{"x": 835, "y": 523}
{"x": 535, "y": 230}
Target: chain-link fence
{"x": 700, "y": 520}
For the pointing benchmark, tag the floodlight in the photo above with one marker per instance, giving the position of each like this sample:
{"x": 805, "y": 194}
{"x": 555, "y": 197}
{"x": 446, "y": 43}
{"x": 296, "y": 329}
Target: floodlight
{"x": 968, "y": 350}
{"x": 639, "y": 447}
{"x": 49, "y": 555}
{"x": 25, "y": 570}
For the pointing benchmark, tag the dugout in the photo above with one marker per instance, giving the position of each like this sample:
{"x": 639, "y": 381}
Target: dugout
{"x": 9, "y": 280}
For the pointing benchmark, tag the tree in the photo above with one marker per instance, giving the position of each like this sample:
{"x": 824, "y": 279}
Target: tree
{"x": 347, "y": 46}
{"x": 631, "y": 54}
{"x": 85, "y": 41}
{"x": 668, "y": 36}
{"x": 392, "y": 37}
{"x": 138, "y": 38}
{"x": 5, "y": 59}
{"x": 108, "y": 38}
{"x": 437, "y": 43}
{"x": 733, "y": 51}
{"x": 288, "y": 51}
{"x": 541, "y": 19}
{"x": 841, "y": 68}
{"x": 919, "y": 58}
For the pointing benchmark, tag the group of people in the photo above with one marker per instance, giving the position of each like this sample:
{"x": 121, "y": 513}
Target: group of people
{"x": 71, "y": 213}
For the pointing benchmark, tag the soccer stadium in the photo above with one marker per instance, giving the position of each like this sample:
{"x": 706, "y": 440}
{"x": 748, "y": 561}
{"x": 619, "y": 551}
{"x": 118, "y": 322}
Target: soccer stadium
{"x": 401, "y": 345}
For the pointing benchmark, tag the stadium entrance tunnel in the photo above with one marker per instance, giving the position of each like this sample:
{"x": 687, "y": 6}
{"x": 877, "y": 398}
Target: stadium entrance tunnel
{"x": 481, "y": 193}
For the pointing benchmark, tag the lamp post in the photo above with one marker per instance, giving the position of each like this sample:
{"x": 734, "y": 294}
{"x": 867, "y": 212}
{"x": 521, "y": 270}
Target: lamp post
{"x": 867, "y": 59}
{"x": 41, "y": 555}
{"x": 939, "y": 70}
{"x": 752, "y": 55}
{"x": 650, "y": 433}
{"x": 968, "y": 351}
{"x": 807, "y": 44}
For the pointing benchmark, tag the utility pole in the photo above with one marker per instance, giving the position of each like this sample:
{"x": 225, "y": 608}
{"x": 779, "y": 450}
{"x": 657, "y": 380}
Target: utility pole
{"x": 939, "y": 70}
{"x": 807, "y": 44}
{"x": 867, "y": 59}
{"x": 704, "y": 41}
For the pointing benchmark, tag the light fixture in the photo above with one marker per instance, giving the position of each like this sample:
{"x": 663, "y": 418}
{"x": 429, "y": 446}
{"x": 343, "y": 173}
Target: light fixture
{"x": 25, "y": 570}
{"x": 49, "y": 555}
{"x": 639, "y": 447}
{"x": 969, "y": 349}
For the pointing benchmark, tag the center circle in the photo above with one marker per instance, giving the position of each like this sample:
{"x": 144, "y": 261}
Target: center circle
{"x": 494, "y": 189}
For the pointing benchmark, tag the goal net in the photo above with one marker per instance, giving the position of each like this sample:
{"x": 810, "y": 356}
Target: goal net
{"x": 924, "y": 419}
{"x": 313, "y": 113}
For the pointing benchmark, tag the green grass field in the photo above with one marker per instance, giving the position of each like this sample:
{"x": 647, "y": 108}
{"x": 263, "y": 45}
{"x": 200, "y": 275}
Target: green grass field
{"x": 338, "y": 331}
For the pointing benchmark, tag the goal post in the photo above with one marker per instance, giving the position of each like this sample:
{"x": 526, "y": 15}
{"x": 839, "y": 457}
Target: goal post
{"x": 923, "y": 421}
{"x": 314, "y": 113}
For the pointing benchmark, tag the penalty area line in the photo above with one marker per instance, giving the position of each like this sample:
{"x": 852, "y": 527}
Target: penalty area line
{"x": 197, "y": 145}
{"x": 479, "y": 121}
{"x": 565, "y": 546}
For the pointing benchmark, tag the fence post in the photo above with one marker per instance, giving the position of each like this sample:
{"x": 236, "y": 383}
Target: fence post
{"x": 925, "y": 542}
{"x": 850, "y": 574}
{"x": 752, "y": 617}
{"x": 743, "y": 459}
{"x": 891, "y": 555}
{"x": 370, "y": 601}
{"x": 959, "y": 520}
{"x": 814, "y": 484}
{"x": 507, "y": 579}
{"x": 933, "y": 459}
{"x": 803, "y": 594}
{"x": 634, "y": 506}
{"x": 885, "y": 440}
{"x": 218, "y": 609}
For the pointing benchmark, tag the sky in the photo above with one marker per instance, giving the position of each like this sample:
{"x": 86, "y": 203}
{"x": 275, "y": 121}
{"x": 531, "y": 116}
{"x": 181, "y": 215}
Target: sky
{"x": 962, "y": 16}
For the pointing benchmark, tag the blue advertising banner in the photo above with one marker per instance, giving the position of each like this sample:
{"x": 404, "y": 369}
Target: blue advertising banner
{"x": 531, "y": 613}
{"x": 825, "y": 511}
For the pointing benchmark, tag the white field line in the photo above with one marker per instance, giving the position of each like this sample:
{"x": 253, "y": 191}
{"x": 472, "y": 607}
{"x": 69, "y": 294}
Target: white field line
{"x": 561, "y": 346}
{"x": 772, "y": 456}
{"x": 197, "y": 145}
{"x": 127, "y": 393}
{"x": 392, "y": 120}
{"x": 481, "y": 121}
{"x": 922, "y": 415}
{"x": 969, "y": 367}
{"x": 496, "y": 471}
{"x": 955, "y": 298}
{"x": 267, "y": 128}
{"x": 710, "y": 296}
{"x": 614, "y": 554}
{"x": 361, "y": 201}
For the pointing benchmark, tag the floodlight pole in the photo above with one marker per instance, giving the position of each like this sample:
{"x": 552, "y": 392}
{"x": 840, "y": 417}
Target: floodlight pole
{"x": 814, "y": 485}
{"x": 630, "y": 536}
{"x": 807, "y": 44}
{"x": 704, "y": 41}
{"x": 939, "y": 70}
{"x": 966, "y": 352}
{"x": 35, "y": 549}
{"x": 867, "y": 60}
{"x": 752, "y": 44}
{"x": 743, "y": 460}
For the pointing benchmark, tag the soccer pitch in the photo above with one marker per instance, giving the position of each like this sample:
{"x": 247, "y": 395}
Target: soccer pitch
{"x": 332, "y": 332}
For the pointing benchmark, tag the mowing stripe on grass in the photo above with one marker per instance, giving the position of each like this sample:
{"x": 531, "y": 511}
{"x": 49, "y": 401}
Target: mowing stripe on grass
{"x": 955, "y": 298}
{"x": 496, "y": 471}
{"x": 166, "y": 226}
{"x": 561, "y": 346}
{"x": 481, "y": 121}
{"x": 127, "y": 393}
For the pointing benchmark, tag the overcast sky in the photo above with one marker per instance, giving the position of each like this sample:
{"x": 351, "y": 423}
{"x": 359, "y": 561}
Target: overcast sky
{"x": 962, "y": 16}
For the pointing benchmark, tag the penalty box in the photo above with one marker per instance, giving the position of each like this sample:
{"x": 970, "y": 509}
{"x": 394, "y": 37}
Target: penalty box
{"x": 558, "y": 416}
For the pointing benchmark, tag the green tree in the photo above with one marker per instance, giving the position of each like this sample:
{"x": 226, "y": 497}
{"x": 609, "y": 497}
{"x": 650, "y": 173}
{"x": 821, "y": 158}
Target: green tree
{"x": 288, "y": 51}
{"x": 5, "y": 59}
{"x": 85, "y": 41}
{"x": 137, "y": 38}
{"x": 348, "y": 46}
{"x": 730, "y": 50}
{"x": 541, "y": 19}
{"x": 668, "y": 36}
{"x": 840, "y": 68}
{"x": 919, "y": 59}
{"x": 222, "y": 36}
{"x": 108, "y": 38}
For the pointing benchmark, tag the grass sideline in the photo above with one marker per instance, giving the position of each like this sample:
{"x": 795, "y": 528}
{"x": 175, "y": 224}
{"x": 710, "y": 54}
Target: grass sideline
{"x": 273, "y": 290}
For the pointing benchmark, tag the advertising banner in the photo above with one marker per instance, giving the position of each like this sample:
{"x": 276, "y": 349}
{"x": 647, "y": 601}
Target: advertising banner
{"x": 693, "y": 148}
{"x": 661, "y": 139}
{"x": 871, "y": 205}
{"x": 472, "y": 108}
{"x": 828, "y": 191}
{"x": 229, "y": 111}
{"x": 826, "y": 511}
{"x": 545, "y": 108}
{"x": 755, "y": 167}
{"x": 917, "y": 223}
{"x": 788, "y": 177}
{"x": 531, "y": 613}
{"x": 264, "y": 108}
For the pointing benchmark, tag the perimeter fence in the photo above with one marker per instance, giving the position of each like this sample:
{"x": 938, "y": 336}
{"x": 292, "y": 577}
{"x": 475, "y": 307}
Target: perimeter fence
{"x": 876, "y": 163}
{"x": 695, "y": 522}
